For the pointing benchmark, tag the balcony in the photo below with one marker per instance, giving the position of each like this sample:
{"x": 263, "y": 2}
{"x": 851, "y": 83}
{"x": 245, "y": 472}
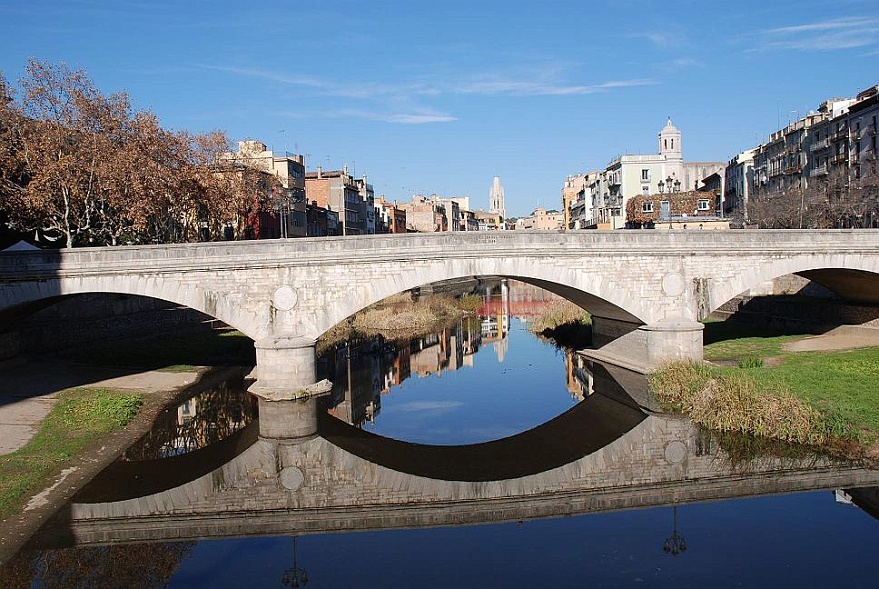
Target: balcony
{"x": 791, "y": 170}
{"x": 839, "y": 135}
{"x": 818, "y": 171}
{"x": 819, "y": 145}
{"x": 839, "y": 158}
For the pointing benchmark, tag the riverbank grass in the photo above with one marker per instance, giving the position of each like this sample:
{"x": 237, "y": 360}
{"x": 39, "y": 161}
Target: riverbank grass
{"x": 80, "y": 417}
{"x": 820, "y": 398}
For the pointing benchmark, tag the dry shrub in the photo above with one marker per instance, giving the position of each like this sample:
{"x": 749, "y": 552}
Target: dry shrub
{"x": 557, "y": 313}
{"x": 734, "y": 402}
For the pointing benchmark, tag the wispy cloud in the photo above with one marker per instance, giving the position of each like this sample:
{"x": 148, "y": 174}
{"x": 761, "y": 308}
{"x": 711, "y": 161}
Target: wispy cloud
{"x": 397, "y": 101}
{"x": 528, "y": 88}
{"x": 828, "y": 35}
{"x": 273, "y": 76}
{"x": 422, "y": 406}
{"x": 681, "y": 63}
{"x": 415, "y": 117}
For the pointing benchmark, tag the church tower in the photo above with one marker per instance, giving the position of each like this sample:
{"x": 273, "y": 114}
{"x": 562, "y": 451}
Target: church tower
{"x": 670, "y": 151}
{"x": 496, "y": 198}
{"x": 670, "y": 142}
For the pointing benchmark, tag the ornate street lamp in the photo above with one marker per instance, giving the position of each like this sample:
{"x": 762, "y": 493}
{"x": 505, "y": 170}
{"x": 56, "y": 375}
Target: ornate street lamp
{"x": 295, "y": 577}
{"x": 675, "y": 544}
{"x": 661, "y": 187}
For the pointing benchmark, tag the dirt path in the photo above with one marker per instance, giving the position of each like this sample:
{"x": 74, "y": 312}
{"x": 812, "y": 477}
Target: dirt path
{"x": 31, "y": 388}
{"x": 838, "y": 339}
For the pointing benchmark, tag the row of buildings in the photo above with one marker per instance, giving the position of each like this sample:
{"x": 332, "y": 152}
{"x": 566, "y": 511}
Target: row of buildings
{"x": 334, "y": 202}
{"x": 835, "y": 145}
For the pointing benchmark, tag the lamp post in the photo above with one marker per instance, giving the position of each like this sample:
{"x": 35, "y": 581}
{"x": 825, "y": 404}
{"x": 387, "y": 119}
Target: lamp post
{"x": 282, "y": 206}
{"x": 674, "y": 544}
{"x": 295, "y": 577}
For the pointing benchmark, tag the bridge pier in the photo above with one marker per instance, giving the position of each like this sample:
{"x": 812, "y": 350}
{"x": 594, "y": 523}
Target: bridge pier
{"x": 286, "y": 388}
{"x": 643, "y": 348}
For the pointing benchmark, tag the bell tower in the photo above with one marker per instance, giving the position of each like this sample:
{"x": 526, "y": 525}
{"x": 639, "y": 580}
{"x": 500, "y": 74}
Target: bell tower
{"x": 670, "y": 142}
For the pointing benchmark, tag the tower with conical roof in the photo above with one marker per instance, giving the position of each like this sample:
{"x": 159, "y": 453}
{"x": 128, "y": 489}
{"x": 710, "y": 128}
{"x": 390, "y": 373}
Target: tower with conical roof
{"x": 496, "y": 198}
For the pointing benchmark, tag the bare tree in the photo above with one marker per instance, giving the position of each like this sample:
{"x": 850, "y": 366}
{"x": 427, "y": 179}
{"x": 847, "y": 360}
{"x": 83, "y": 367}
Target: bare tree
{"x": 83, "y": 168}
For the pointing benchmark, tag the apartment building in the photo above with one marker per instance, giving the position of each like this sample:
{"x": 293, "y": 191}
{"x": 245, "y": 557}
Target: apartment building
{"x": 350, "y": 197}
{"x": 289, "y": 169}
{"x": 390, "y": 218}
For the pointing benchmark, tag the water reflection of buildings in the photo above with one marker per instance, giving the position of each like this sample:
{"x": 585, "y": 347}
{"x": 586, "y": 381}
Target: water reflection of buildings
{"x": 495, "y": 313}
{"x": 361, "y": 371}
{"x": 580, "y": 380}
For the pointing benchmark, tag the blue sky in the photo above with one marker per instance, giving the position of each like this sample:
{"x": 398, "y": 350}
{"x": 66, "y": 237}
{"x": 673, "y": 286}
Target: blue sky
{"x": 439, "y": 97}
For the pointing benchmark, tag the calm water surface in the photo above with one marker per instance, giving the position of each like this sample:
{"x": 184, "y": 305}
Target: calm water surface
{"x": 476, "y": 382}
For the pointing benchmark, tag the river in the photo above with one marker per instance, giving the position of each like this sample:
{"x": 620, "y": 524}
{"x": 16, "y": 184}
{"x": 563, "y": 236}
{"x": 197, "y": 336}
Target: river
{"x": 499, "y": 404}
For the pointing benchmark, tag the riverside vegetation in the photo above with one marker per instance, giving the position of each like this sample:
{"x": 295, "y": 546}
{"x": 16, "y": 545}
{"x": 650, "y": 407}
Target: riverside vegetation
{"x": 401, "y": 317}
{"x": 81, "y": 417}
{"x": 825, "y": 399}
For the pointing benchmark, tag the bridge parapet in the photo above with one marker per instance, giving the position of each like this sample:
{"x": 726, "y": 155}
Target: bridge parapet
{"x": 655, "y": 284}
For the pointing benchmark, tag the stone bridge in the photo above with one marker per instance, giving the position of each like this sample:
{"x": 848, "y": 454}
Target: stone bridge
{"x": 337, "y": 481}
{"x": 646, "y": 290}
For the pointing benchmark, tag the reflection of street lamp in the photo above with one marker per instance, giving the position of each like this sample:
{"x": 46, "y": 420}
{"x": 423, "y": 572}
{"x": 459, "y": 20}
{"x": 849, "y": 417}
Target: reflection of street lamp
{"x": 675, "y": 544}
{"x": 295, "y": 577}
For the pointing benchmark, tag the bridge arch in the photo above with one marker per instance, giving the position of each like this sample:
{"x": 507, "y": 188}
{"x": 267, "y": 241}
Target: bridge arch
{"x": 854, "y": 278}
{"x": 590, "y": 290}
{"x": 27, "y": 298}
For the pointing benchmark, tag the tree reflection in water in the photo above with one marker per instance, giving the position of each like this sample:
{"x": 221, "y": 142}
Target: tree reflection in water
{"x": 201, "y": 420}
{"x": 99, "y": 567}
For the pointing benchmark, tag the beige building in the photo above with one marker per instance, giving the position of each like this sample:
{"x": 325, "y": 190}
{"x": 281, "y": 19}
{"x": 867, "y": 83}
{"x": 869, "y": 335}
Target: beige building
{"x": 424, "y": 215}
{"x": 290, "y": 170}
{"x": 542, "y": 219}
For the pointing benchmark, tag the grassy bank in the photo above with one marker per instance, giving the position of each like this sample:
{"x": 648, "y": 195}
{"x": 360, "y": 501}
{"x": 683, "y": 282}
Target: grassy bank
{"x": 80, "y": 417}
{"x": 820, "y": 398}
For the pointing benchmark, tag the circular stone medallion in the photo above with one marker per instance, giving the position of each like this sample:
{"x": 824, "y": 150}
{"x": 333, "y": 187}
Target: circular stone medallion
{"x": 292, "y": 478}
{"x": 675, "y": 452}
{"x": 284, "y": 298}
{"x": 673, "y": 284}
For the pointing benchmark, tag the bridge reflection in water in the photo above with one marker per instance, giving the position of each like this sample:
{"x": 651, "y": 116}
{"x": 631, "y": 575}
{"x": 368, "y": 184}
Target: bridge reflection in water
{"x": 605, "y": 453}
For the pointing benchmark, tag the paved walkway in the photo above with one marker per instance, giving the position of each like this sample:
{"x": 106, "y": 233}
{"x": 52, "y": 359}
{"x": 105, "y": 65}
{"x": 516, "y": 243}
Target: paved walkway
{"x": 29, "y": 390}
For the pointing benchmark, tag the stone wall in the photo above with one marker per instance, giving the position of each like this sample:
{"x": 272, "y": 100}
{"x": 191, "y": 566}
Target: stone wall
{"x": 818, "y": 314}
{"x": 87, "y": 318}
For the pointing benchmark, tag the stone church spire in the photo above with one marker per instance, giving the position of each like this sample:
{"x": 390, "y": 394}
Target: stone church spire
{"x": 496, "y": 198}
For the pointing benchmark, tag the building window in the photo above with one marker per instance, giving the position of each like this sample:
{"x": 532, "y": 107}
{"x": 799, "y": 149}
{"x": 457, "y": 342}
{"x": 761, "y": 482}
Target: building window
{"x": 703, "y": 204}
{"x": 647, "y": 207}
{"x": 645, "y": 175}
